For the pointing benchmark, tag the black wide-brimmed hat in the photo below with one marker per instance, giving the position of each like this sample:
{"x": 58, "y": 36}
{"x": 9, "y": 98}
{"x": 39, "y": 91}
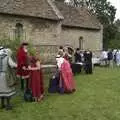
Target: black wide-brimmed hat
{"x": 25, "y": 43}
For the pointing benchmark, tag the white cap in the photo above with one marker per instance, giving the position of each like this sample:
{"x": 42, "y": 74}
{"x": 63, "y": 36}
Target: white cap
{"x": 58, "y": 56}
{"x": 1, "y": 47}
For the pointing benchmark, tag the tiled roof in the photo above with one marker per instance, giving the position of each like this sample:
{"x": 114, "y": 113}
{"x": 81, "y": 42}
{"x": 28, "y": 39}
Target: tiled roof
{"x": 35, "y": 8}
{"x": 72, "y": 17}
{"x": 77, "y": 17}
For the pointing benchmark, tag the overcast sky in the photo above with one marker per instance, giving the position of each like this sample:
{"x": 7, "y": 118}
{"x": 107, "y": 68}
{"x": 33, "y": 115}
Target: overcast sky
{"x": 116, "y": 3}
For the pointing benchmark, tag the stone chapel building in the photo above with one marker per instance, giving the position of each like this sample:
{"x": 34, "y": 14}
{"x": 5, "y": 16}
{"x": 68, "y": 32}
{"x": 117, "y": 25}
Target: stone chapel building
{"x": 47, "y": 25}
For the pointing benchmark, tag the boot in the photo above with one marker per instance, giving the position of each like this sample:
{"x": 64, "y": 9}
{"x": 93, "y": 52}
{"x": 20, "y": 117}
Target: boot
{"x": 8, "y": 106}
{"x": 22, "y": 84}
{"x": 27, "y": 80}
{"x": 2, "y": 102}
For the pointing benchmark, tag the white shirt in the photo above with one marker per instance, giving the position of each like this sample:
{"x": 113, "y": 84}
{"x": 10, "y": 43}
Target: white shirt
{"x": 11, "y": 63}
{"x": 59, "y": 62}
{"x": 104, "y": 55}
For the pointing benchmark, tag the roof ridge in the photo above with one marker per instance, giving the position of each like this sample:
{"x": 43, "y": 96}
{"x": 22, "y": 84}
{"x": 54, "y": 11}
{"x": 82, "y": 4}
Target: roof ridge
{"x": 55, "y": 9}
{"x": 34, "y": 8}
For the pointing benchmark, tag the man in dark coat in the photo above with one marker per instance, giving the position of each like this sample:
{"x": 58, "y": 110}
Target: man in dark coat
{"x": 88, "y": 61}
{"x": 77, "y": 55}
{"x": 110, "y": 58}
{"x": 76, "y": 67}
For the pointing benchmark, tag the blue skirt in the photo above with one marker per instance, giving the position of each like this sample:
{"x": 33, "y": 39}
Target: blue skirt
{"x": 54, "y": 84}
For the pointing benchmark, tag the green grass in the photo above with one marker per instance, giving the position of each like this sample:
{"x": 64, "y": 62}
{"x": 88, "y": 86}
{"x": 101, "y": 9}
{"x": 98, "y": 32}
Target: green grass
{"x": 97, "y": 98}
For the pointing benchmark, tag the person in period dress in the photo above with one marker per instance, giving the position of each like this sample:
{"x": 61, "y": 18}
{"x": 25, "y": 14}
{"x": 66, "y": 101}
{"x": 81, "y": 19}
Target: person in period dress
{"x": 77, "y": 56}
{"x": 66, "y": 82}
{"x": 36, "y": 79}
{"x": 7, "y": 90}
{"x": 88, "y": 61}
{"x": 61, "y": 49}
{"x": 54, "y": 81}
{"x": 22, "y": 61}
{"x": 67, "y": 55}
{"x": 77, "y": 65}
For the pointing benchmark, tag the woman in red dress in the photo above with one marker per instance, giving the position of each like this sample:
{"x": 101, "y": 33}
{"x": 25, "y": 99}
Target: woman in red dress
{"x": 67, "y": 77}
{"x": 66, "y": 83}
{"x": 36, "y": 79}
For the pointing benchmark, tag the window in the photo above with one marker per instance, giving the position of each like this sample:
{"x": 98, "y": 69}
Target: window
{"x": 19, "y": 31}
{"x": 81, "y": 42}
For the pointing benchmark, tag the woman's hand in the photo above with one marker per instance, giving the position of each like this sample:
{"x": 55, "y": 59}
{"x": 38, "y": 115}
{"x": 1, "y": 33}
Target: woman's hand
{"x": 24, "y": 68}
{"x": 29, "y": 67}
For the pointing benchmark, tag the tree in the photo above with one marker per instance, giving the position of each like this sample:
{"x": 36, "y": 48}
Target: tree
{"x": 105, "y": 13}
{"x": 115, "y": 43}
{"x": 117, "y": 24}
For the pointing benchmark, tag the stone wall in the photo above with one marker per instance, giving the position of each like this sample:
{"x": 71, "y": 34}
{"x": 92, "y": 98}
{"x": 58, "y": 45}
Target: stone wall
{"x": 36, "y": 30}
{"x": 47, "y": 53}
{"x": 47, "y": 35}
{"x": 40, "y": 32}
{"x": 92, "y": 39}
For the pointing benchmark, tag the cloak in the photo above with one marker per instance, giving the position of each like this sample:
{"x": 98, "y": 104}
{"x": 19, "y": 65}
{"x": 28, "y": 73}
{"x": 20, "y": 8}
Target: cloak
{"x": 22, "y": 61}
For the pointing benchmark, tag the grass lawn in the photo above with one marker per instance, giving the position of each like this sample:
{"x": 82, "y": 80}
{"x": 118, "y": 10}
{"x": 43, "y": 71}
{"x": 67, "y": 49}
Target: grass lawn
{"x": 97, "y": 98}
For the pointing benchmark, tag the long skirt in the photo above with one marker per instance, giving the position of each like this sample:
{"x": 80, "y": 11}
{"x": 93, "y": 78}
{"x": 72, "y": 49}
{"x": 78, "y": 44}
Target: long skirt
{"x": 36, "y": 83}
{"x": 5, "y": 89}
{"x": 54, "y": 83}
{"x": 66, "y": 78}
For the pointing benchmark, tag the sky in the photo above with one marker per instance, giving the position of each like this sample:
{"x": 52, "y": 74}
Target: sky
{"x": 116, "y": 3}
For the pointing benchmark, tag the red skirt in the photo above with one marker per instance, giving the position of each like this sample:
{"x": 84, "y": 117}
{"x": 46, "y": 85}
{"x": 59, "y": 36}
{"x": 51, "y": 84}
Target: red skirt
{"x": 22, "y": 73}
{"x": 66, "y": 77}
{"x": 36, "y": 83}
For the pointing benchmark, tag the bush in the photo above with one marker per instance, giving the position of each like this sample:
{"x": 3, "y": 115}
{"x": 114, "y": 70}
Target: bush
{"x": 14, "y": 45}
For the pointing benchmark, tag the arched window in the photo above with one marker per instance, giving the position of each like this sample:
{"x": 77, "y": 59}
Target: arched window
{"x": 19, "y": 31}
{"x": 81, "y": 42}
